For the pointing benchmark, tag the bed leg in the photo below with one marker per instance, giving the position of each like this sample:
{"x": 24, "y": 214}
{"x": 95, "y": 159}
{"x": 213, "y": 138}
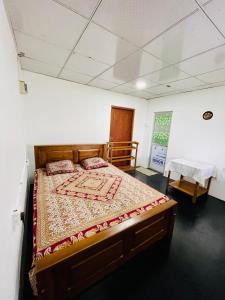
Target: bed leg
{"x": 195, "y": 193}
{"x": 167, "y": 182}
{"x": 46, "y": 286}
{"x": 166, "y": 241}
{"x": 173, "y": 213}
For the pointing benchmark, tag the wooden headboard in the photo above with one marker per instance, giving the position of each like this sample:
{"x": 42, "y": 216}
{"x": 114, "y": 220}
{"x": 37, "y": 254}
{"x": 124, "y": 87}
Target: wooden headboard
{"x": 76, "y": 153}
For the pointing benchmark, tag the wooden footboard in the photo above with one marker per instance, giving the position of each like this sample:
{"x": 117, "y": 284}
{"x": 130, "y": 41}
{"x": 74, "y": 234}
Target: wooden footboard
{"x": 67, "y": 272}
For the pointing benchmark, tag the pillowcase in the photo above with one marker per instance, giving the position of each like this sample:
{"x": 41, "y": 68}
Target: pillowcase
{"x": 60, "y": 167}
{"x": 94, "y": 163}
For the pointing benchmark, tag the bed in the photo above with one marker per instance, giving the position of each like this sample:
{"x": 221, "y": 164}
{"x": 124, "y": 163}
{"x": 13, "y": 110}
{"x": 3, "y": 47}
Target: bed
{"x": 81, "y": 235}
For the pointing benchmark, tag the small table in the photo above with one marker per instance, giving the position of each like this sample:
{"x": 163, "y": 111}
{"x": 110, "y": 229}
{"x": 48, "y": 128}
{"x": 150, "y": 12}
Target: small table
{"x": 200, "y": 172}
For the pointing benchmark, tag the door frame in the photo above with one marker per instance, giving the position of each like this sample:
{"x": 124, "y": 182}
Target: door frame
{"x": 153, "y": 127}
{"x": 124, "y": 108}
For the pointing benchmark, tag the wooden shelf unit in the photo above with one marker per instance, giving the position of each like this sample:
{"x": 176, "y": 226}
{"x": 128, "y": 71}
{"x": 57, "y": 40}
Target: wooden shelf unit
{"x": 130, "y": 146}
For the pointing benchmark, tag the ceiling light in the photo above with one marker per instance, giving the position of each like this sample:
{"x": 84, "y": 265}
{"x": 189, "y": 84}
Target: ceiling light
{"x": 140, "y": 84}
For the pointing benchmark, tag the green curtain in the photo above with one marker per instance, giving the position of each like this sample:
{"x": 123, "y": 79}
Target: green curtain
{"x": 162, "y": 128}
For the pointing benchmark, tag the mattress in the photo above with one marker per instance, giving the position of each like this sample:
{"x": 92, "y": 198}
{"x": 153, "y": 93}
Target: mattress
{"x": 74, "y": 206}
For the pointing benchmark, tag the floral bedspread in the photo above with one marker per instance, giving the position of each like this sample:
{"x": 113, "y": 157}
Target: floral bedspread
{"x": 71, "y": 207}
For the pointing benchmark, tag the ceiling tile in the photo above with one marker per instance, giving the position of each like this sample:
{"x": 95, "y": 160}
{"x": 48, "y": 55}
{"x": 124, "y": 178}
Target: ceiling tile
{"x": 160, "y": 89}
{"x": 39, "y": 50}
{"x": 141, "y": 94}
{"x": 113, "y": 76}
{"x": 38, "y": 67}
{"x": 169, "y": 93}
{"x": 206, "y": 62}
{"x": 210, "y": 85}
{"x": 133, "y": 83}
{"x": 102, "y": 45}
{"x": 76, "y": 77}
{"x": 85, "y": 65}
{"x": 141, "y": 20}
{"x": 47, "y": 30}
{"x": 216, "y": 11}
{"x": 84, "y": 8}
{"x": 203, "y": 2}
{"x": 190, "y": 37}
{"x": 153, "y": 97}
{"x": 47, "y": 20}
{"x": 166, "y": 75}
{"x": 123, "y": 89}
{"x": 104, "y": 84}
{"x": 215, "y": 76}
{"x": 188, "y": 83}
{"x": 136, "y": 65}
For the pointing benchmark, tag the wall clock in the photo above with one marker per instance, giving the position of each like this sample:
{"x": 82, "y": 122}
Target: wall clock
{"x": 207, "y": 115}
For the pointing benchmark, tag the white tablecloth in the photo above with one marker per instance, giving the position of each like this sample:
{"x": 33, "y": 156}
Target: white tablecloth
{"x": 200, "y": 172}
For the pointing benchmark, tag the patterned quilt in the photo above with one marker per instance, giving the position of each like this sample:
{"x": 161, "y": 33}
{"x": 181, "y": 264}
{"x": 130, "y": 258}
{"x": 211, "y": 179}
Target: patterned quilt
{"x": 71, "y": 207}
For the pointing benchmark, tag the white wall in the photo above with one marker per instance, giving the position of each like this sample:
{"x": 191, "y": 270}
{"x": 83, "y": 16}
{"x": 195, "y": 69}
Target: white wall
{"x": 12, "y": 162}
{"x": 62, "y": 112}
{"x": 192, "y": 137}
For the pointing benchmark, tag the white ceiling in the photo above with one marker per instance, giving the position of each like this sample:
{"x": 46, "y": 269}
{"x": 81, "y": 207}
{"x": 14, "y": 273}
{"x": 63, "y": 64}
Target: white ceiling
{"x": 173, "y": 46}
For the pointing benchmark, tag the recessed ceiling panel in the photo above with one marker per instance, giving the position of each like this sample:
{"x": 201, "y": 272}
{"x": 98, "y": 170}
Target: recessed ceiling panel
{"x": 142, "y": 94}
{"x": 206, "y": 62}
{"x": 167, "y": 94}
{"x": 82, "y": 7}
{"x": 46, "y": 20}
{"x": 85, "y": 65}
{"x": 167, "y": 74}
{"x": 124, "y": 89}
{"x": 203, "y": 2}
{"x": 188, "y": 83}
{"x": 111, "y": 76}
{"x": 139, "y": 21}
{"x": 104, "y": 46}
{"x": 136, "y": 65}
{"x": 39, "y": 50}
{"x": 134, "y": 83}
{"x": 104, "y": 84}
{"x": 215, "y": 76}
{"x": 210, "y": 85}
{"x": 38, "y": 67}
{"x": 190, "y": 37}
{"x": 160, "y": 89}
{"x": 216, "y": 11}
{"x": 74, "y": 76}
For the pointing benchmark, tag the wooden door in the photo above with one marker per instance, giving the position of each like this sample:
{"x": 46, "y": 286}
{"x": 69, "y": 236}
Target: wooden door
{"x": 121, "y": 129}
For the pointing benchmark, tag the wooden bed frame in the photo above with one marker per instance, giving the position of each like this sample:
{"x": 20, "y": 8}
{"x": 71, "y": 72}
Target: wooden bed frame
{"x": 67, "y": 272}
